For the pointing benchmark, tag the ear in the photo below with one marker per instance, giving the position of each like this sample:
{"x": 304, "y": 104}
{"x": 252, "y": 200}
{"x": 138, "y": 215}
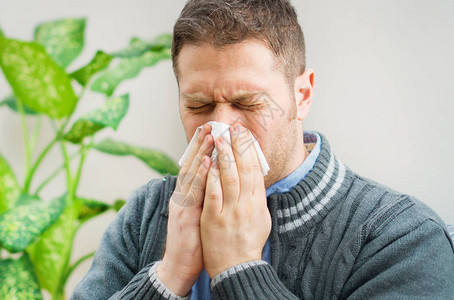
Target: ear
{"x": 303, "y": 89}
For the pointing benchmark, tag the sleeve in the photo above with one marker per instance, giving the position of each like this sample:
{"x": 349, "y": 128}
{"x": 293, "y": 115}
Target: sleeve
{"x": 250, "y": 280}
{"x": 416, "y": 265}
{"x": 115, "y": 273}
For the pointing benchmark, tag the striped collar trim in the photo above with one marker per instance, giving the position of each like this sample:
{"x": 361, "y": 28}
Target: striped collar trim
{"x": 311, "y": 199}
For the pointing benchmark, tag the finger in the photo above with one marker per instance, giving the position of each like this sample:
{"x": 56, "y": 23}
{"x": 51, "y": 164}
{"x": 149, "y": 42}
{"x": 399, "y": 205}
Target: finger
{"x": 205, "y": 149}
{"x": 212, "y": 204}
{"x": 197, "y": 191}
{"x": 228, "y": 173}
{"x": 249, "y": 169}
{"x": 194, "y": 148}
{"x": 193, "y": 151}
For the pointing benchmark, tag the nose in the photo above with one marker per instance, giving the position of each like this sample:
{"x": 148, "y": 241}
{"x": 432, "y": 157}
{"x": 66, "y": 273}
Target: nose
{"x": 226, "y": 113}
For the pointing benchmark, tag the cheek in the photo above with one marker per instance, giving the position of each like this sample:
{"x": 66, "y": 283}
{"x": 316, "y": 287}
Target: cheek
{"x": 190, "y": 126}
{"x": 191, "y": 122}
{"x": 263, "y": 135}
{"x": 273, "y": 136}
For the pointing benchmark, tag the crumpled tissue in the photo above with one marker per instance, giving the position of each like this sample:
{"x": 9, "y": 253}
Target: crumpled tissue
{"x": 222, "y": 129}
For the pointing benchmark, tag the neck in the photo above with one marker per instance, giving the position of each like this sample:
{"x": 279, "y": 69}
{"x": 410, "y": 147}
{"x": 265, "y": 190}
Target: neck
{"x": 293, "y": 162}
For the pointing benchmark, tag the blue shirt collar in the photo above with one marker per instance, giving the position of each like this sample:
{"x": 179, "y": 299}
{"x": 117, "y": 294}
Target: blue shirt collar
{"x": 285, "y": 184}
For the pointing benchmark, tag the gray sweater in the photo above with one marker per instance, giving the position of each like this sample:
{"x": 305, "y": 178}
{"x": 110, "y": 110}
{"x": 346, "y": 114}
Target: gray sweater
{"x": 335, "y": 235}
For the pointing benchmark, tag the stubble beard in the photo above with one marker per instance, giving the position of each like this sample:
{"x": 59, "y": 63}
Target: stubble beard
{"x": 283, "y": 149}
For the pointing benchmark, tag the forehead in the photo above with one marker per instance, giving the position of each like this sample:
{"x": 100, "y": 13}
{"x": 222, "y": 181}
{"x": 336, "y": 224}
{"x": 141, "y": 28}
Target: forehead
{"x": 248, "y": 65}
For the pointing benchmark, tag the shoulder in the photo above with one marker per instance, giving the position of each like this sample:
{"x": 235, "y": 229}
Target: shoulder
{"x": 389, "y": 214}
{"x": 392, "y": 245}
{"x": 149, "y": 197}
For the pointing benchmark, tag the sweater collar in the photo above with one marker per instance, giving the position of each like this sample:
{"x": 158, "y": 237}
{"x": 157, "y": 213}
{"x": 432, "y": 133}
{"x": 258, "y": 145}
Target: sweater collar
{"x": 312, "y": 198}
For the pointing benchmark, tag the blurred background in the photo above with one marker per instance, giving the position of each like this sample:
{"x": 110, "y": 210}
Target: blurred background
{"x": 383, "y": 95}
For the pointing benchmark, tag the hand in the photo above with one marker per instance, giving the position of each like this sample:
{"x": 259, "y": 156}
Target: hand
{"x": 235, "y": 221}
{"x": 182, "y": 261}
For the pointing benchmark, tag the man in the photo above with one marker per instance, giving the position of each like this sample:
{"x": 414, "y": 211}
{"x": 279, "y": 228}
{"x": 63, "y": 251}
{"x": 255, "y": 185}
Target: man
{"x": 310, "y": 229}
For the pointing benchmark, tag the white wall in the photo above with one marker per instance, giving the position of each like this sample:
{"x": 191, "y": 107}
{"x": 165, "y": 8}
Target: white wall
{"x": 383, "y": 78}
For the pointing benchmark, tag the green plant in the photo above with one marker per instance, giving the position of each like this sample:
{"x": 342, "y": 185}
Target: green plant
{"x": 41, "y": 231}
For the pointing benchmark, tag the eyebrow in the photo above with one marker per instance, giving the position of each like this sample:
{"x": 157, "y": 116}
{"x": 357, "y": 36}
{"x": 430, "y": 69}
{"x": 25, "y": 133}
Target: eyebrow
{"x": 239, "y": 96}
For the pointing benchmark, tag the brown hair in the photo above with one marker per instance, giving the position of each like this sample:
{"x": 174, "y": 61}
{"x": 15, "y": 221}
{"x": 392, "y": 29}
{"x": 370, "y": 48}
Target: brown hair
{"x": 225, "y": 22}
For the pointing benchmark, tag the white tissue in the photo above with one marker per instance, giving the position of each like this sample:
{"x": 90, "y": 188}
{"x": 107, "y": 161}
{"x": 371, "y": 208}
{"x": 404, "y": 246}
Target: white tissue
{"x": 222, "y": 129}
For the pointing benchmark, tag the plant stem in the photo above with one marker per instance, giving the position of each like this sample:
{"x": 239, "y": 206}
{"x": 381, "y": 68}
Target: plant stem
{"x": 58, "y": 295}
{"x": 54, "y": 174}
{"x": 68, "y": 168}
{"x": 32, "y": 171}
{"x": 83, "y": 152}
{"x": 82, "y": 92}
{"x": 25, "y": 135}
{"x": 79, "y": 169}
{"x": 66, "y": 159}
{"x": 36, "y": 133}
{"x": 75, "y": 265}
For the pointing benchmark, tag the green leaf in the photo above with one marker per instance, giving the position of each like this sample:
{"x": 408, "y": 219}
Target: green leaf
{"x": 11, "y": 102}
{"x": 118, "y": 204}
{"x": 36, "y": 80}
{"x": 109, "y": 114}
{"x": 62, "y": 39}
{"x": 138, "y": 47}
{"x": 22, "y": 224}
{"x": 50, "y": 254}
{"x": 9, "y": 187}
{"x": 127, "y": 68}
{"x": 91, "y": 208}
{"x": 100, "y": 62}
{"x": 156, "y": 160}
{"x": 18, "y": 280}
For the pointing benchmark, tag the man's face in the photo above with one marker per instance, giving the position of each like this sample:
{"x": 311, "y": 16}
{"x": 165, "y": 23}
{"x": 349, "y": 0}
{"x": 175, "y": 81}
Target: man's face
{"x": 240, "y": 84}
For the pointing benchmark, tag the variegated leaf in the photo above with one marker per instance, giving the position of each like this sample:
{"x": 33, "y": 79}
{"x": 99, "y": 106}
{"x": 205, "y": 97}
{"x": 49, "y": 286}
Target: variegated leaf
{"x": 100, "y": 62}
{"x": 11, "y": 102}
{"x": 138, "y": 46}
{"x": 9, "y": 187}
{"x": 109, "y": 114}
{"x": 127, "y": 68}
{"x": 91, "y": 208}
{"x": 36, "y": 80}
{"x": 22, "y": 224}
{"x": 50, "y": 253}
{"x": 18, "y": 280}
{"x": 156, "y": 160}
{"x": 62, "y": 39}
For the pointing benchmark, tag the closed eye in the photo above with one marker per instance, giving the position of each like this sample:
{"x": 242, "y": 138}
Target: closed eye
{"x": 248, "y": 107}
{"x": 198, "y": 107}
{"x": 238, "y": 105}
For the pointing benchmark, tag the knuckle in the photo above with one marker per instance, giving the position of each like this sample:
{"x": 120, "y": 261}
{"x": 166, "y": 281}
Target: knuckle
{"x": 239, "y": 214}
{"x": 214, "y": 196}
{"x": 230, "y": 180}
{"x": 252, "y": 168}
